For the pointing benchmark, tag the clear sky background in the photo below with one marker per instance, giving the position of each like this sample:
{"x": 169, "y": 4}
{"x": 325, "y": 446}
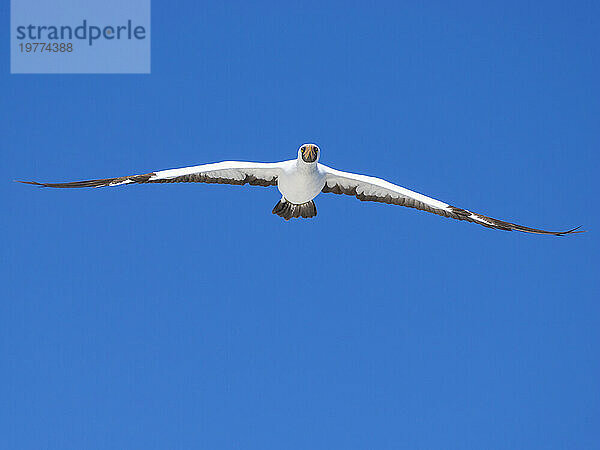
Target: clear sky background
{"x": 189, "y": 316}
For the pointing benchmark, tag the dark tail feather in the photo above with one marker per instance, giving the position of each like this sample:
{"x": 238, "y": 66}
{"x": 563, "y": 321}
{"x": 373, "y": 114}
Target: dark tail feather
{"x": 288, "y": 210}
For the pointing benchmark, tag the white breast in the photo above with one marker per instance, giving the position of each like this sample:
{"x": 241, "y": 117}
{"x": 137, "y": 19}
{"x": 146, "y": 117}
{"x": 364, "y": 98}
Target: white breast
{"x": 301, "y": 184}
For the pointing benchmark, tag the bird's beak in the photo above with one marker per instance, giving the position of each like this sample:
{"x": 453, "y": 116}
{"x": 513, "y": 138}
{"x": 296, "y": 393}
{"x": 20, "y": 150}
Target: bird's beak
{"x": 311, "y": 152}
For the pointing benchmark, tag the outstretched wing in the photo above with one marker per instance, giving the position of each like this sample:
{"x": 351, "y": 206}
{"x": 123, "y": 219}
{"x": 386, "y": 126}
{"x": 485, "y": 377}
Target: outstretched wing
{"x": 226, "y": 172}
{"x": 377, "y": 190}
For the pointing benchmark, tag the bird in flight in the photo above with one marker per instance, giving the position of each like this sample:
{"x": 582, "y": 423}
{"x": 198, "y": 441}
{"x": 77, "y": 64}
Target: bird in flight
{"x": 299, "y": 181}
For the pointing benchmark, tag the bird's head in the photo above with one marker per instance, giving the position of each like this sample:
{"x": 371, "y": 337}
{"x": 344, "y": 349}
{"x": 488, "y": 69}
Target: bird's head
{"x": 309, "y": 153}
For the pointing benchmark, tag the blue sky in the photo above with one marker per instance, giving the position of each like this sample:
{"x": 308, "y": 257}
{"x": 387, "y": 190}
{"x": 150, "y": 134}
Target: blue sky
{"x": 189, "y": 316}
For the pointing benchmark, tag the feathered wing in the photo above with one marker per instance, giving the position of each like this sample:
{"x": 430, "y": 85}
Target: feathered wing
{"x": 373, "y": 189}
{"x": 226, "y": 172}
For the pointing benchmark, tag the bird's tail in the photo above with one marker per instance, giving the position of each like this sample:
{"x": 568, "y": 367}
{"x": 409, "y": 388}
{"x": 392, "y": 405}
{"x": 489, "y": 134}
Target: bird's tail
{"x": 288, "y": 210}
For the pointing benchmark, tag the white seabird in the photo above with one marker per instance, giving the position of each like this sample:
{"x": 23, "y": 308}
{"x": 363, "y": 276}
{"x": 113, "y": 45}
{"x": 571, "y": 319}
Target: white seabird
{"x": 300, "y": 180}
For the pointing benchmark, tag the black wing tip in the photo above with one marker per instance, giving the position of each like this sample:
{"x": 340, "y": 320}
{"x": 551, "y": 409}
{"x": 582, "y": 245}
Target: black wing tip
{"x": 546, "y": 232}
{"x": 73, "y": 184}
{"x": 35, "y": 183}
{"x": 48, "y": 185}
{"x": 572, "y": 231}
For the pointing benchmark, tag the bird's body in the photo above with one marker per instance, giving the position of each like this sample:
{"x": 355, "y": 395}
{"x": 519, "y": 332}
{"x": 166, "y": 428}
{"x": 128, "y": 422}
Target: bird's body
{"x": 300, "y": 180}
